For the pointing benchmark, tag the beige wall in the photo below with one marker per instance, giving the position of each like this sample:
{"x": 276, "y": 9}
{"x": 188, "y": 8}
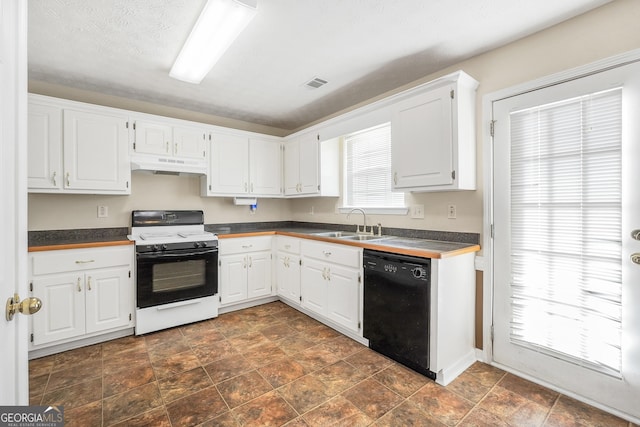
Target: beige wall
{"x": 607, "y": 31}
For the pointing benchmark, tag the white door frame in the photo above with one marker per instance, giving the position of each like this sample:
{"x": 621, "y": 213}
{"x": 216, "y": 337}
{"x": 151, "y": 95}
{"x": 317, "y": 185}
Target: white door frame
{"x": 488, "y": 167}
{"x": 14, "y": 379}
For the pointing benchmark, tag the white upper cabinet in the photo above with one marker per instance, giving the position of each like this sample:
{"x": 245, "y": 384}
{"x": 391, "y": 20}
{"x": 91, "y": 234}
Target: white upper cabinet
{"x": 45, "y": 147}
{"x": 243, "y": 166}
{"x": 156, "y": 138}
{"x": 190, "y": 142}
{"x": 76, "y": 150}
{"x": 433, "y": 136}
{"x": 311, "y": 166}
{"x": 96, "y": 149}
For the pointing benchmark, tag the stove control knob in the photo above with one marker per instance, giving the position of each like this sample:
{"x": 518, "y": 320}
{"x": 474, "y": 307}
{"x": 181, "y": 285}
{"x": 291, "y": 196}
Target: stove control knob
{"x": 155, "y": 248}
{"x": 164, "y": 247}
{"x": 196, "y": 244}
{"x": 203, "y": 244}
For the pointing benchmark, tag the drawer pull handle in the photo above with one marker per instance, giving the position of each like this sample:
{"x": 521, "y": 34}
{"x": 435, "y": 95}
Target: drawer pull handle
{"x": 247, "y": 246}
{"x": 55, "y": 182}
{"x": 68, "y": 180}
{"x": 287, "y": 246}
{"x": 79, "y": 287}
{"x": 89, "y": 282}
{"x": 86, "y": 261}
{"x": 250, "y": 262}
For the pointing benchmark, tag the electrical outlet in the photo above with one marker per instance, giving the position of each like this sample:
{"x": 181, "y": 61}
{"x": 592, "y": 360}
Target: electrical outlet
{"x": 451, "y": 212}
{"x": 103, "y": 211}
{"x": 417, "y": 211}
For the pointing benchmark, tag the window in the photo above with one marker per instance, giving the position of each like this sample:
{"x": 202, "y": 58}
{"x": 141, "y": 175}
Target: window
{"x": 367, "y": 178}
{"x": 566, "y": 229}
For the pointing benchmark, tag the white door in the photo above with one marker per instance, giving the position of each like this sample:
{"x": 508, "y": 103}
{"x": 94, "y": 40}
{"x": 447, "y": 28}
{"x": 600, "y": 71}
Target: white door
{"x": 189, "y": 142}
{"x": 265, "y": 167}
{"x": 14, "y": 378}
{"x": 259, "y": 274}
{"x": 96, "y": 151}
{"x": 421, "y": 131}
{"x": 229, "y": 164}
{"x": 566, "y": 200}
{"x": 152, "y": 138}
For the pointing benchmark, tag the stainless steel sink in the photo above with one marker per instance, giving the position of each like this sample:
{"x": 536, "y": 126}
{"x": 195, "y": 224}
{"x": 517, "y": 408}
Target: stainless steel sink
{"x": 363, "y": 237}
{"x": 335, "y": 234}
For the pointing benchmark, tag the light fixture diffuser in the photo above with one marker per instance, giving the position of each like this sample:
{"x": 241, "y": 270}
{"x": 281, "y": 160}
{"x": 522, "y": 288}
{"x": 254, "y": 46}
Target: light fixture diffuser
{"x": 220, "y": 22}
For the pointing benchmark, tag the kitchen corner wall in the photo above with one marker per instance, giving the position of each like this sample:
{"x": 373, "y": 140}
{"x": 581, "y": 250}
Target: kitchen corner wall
{"x": 148, "y": 191}
{"x": 603, "y": 32}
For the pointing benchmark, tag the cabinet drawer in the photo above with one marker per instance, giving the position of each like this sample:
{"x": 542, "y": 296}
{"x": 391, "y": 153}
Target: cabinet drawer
{"x": 288, "y": 244}
{"x": 244, "y": 244}
{"x": 336, "y": 254}
{"x": 79, "y": 259}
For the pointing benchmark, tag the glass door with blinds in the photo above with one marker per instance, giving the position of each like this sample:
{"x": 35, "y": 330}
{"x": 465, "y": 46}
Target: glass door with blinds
{"x": 566, "y": 201}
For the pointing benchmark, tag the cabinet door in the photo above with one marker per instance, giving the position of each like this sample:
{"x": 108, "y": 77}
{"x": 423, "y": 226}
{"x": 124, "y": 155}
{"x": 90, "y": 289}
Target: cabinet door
{"x": 259, "y": 274}
{"x": 343, "y": 302}
{"x": 152, "y": 138}
{"x": 109, "y": 299}
{"x": 62, "y": 314}
{"x": 309, "y": 165}
{"x": 44, "y": 147}
{"x": 189, "y": 142}
{"x": 96, "y": 152}
{"x": 288, "y": 276}
{"x": 233, "y": 278}
{"x": 291, "y": 168}
{"x": 313, "y": 286}
{"x": 229, "y": 164}
{"x": 265, "y": 167}
{"x": 422, "y": 144}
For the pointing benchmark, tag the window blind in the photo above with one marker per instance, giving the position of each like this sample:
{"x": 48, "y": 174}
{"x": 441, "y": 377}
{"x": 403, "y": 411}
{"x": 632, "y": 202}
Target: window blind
{"x": 566, "y": 239}
{"x": 368, "y": 169}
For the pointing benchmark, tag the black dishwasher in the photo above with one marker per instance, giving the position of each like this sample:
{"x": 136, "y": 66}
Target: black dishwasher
{"x": 397, "y": 307}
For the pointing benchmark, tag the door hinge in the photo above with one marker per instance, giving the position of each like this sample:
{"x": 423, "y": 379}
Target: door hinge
{"x": 453, "y": 174}
{"x": 129, "y": 273}
{"x": 31, "y": 337}
{"x": 452, "y": 93}
{"x": 492, "y": 128}
{"x": 31, "y": 286}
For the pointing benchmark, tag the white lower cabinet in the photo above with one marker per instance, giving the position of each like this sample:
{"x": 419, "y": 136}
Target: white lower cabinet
{"x": 331, "y": 282}
{"x": 288, "y": 268}
{"x": 245, "y": 269}
{"x": 84, "y": 292}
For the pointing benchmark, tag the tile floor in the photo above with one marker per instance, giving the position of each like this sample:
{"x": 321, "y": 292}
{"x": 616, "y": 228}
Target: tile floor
{"x": 271, "y": 365}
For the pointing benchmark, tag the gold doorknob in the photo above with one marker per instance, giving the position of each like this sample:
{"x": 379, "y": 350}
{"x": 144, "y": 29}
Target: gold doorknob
{"x": 29, "y": 305}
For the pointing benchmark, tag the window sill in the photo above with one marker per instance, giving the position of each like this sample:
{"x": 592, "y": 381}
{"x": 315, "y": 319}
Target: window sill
{"x": 375, "y": 211}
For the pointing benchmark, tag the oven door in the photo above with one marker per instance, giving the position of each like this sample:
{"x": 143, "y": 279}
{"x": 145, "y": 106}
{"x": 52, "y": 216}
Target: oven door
{"x": 171, "y": 276}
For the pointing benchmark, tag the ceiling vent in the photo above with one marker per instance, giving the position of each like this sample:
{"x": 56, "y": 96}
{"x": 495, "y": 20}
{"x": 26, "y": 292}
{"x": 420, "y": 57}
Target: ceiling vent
{"x": 315, "y": 83}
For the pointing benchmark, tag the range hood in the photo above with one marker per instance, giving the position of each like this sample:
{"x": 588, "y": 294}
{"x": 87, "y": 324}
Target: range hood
{"x": 168, "y": 165}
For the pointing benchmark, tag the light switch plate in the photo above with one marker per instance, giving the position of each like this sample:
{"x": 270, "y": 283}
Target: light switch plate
{"x": 417, "y": 211}
{"x": 103, "y": 211}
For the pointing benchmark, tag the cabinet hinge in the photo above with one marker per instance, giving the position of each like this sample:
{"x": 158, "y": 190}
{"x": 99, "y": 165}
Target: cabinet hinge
{"x": 204, "y": 136}
{"x": 453, "y": 174}
{"x": 126, "y": 125}
{"x": 271, "y": 256}
{"x": 134, "y": 125}
{"x": 134, "y": 146}
{"x": 492, "y": 128}
{"x": 204, "y": 153}
{"x": 127, "y": 184}
{"x": 209, "y": 187}
{"x": 492, "y": 230}
{"x": 129, "y": 316}
{"x": 359, "y": 278}
{"x": 359, "y": 324}
{"x": 129, "y": 273}
{"x": 219, "y": 263}
{"x": 31, "y": 337}
{"x": 300, "y": 298}
{"x": 220, "y": 298}
{"x": 452, "y": 93}
{"x": 492, "y": 333}
{"x": 31, "y": 286}
{"x": 300, "y": 261}
{"x": 318, "y": 188}
{"x": 209, "y": 137}
{"x": 318, "y": 137}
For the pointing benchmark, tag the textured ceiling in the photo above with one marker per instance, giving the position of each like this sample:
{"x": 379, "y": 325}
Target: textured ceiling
{"x": 362, "y": 47}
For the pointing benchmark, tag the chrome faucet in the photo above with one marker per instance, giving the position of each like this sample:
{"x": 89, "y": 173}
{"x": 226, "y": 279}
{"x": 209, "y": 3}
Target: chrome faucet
{"x": 364, "y": 215}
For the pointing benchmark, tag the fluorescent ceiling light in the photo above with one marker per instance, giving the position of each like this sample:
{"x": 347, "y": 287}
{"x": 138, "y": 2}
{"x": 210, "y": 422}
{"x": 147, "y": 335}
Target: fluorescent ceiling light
{"x": 220, "y": 22}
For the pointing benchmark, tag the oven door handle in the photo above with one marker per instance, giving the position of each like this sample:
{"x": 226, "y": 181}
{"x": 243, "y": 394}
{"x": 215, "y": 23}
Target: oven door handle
{"x": 156, "y": 255}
